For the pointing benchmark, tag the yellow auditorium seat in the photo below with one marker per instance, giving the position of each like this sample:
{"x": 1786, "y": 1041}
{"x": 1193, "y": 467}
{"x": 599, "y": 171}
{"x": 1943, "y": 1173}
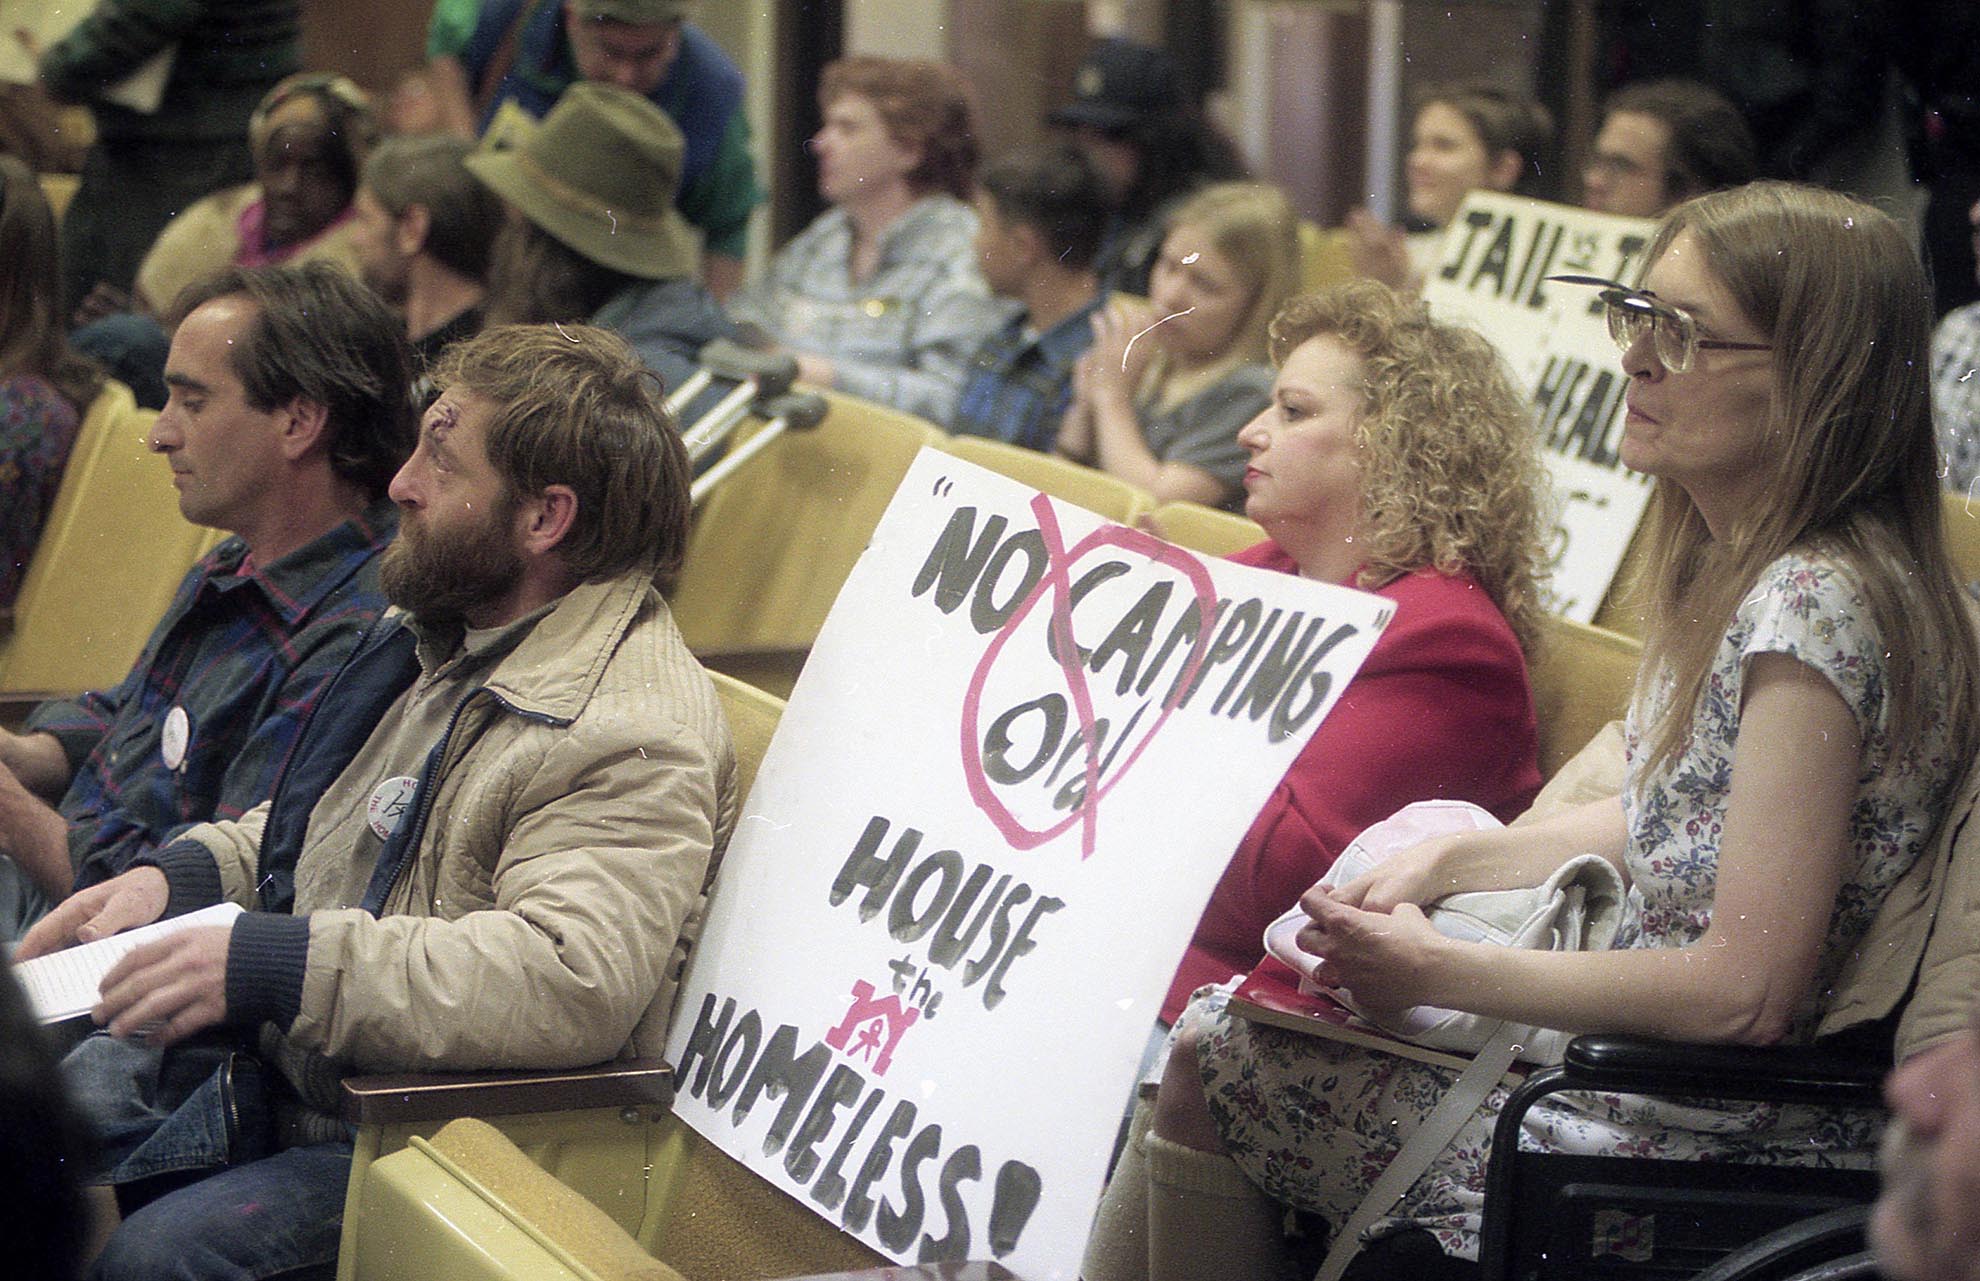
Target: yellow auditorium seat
{"x": 60, "y": 189}
{"x": 1208, "y": 530}
{"x": 1581, "y": 677}
{"x": 470, "y": 1205}
{"x": 753, "y": 715}
{"x": 1108, "y": 496}
{"x": 1324, "y": 257}
{"x": 109, "y": 559}
{"x": 772, "y": 546}
{"x": 598, "y": 1131}
{"x": 1962, "y": 517}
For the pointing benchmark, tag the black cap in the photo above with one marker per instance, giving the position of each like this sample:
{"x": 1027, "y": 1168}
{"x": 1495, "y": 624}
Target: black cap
{"x": 1120, "y": 83}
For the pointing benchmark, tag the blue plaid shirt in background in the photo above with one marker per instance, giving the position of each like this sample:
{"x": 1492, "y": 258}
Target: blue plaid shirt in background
{"x": 246, "y": 655}
{"x": 1019, "y": 383}
{"x": 1956, "y": 396}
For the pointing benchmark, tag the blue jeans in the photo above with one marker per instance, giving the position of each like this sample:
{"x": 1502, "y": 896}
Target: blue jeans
{"x": 21, "y": 902}
{"x": 280, "y": 1216}
{"x": 195, "y": 1119}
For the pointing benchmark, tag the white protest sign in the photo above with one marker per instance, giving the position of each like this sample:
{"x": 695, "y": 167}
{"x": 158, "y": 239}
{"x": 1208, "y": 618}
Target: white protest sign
{"x": 1497, "y": 254}
{"x": 967, "y": 871}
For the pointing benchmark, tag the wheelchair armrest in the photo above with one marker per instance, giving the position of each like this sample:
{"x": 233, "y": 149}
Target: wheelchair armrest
{"x": 1825, "y": 1074}
{"x": 417, "y": 1098}
{"x": 983, "y": 1271}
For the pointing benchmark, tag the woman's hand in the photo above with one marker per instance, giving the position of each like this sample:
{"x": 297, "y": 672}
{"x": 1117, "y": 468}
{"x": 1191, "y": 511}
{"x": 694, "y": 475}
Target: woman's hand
{"x": 1380, "y": 251}
{"x": 1075, "y": 438}
{"x": 1416, "y": 875}
{"x": 1121, "y": 349}
{"x": 1387, "y": 960}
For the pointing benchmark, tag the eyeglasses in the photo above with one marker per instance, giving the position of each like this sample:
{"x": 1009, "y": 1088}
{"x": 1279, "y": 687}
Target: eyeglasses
{"x": 1673, "y": 332}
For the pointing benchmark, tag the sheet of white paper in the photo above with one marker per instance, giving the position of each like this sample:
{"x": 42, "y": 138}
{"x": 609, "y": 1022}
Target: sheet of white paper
{"x": 63, "y": 984}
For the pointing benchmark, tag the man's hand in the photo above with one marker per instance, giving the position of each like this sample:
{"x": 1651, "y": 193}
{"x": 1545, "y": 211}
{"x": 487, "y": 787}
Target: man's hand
{"x": 165, "y": 991}
{"x": 35, "y": 837}
{"x": 121, "y": 903}
{"x": 37, "y": 760}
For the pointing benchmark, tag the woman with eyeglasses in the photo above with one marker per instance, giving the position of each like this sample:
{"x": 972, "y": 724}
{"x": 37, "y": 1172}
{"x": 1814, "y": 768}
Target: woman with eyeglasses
{"x": 1803, "y": 713}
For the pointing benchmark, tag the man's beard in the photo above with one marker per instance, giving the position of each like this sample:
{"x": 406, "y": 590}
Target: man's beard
{"x": 443, "y": 575}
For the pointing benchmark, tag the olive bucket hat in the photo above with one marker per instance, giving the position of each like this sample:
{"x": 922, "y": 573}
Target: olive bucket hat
{"x": 600, "y": 174}
{"x": 638, "y": 13}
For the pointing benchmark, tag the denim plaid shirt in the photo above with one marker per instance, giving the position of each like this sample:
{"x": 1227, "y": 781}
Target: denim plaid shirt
{"x": 904, "y": 335}
{"x": 1956, "y": 395}
{"x": 246, "y": 655}
{"x": 1019, "y": 383}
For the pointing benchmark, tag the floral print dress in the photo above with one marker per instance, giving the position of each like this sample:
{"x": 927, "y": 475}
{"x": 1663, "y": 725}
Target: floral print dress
{"x": 1314, "y": 1122}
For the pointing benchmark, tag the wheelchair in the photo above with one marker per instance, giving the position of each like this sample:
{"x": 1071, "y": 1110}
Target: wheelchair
{"x": 1551, "y": 1217}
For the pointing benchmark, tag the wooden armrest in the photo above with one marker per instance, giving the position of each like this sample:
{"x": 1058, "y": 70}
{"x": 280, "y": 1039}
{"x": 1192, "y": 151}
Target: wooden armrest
{"x": 921, "y": 1272}
{"x": 1778, "y": 1074}
{"x": 412, "y": 1098}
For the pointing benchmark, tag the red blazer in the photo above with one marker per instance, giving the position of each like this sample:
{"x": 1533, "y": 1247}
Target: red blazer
{"x": 1440, "y": 709}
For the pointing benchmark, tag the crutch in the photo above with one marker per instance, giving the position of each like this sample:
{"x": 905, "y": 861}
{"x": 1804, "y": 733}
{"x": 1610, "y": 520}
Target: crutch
{"x": 759, "y": 377}
{"x": 792, "y": 411}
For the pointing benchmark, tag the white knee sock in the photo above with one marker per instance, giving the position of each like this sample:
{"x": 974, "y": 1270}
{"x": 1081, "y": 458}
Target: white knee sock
{"x": 1206, "y": 1219}
{"x": 1118, "y": 1248}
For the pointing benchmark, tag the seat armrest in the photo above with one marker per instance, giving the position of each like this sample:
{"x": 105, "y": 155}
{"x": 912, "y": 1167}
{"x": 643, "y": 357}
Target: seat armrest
{"x": 417, "y": 1098}
{"x": 1774, "y": 1074}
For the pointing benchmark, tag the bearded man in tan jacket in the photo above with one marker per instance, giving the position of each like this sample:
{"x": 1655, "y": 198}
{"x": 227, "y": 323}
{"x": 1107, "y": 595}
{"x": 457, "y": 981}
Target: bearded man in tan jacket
{"x": 482, "y": 852}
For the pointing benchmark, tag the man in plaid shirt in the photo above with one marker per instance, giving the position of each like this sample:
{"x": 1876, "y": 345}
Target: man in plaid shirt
{"x": 289, "y": 412}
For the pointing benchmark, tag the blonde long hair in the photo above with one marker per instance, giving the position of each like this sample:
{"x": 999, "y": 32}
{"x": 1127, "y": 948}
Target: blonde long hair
{"x": 1836, "y": 288}
{"x": 1253, "y": 226}
{"x": 1450, "y": 471}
